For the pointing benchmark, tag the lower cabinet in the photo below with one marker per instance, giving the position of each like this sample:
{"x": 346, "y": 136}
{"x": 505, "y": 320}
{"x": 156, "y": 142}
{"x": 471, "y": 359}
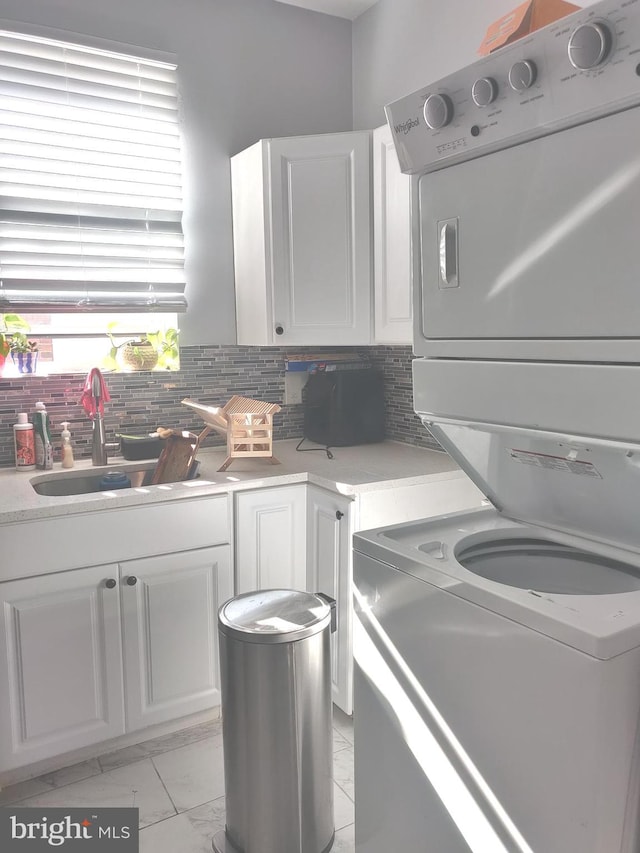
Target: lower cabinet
{"x": 270, "y": 535}
{"x": 60, "y": 664}
{"x": 89, "y": 654}
{"x": 298, "y": 537}
{"x": 329, "y": 521}
{"x": 169, "y": 608}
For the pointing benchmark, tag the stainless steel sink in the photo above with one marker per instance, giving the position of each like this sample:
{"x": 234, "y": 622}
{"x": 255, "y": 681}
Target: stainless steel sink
{"x": 65, "y": 483}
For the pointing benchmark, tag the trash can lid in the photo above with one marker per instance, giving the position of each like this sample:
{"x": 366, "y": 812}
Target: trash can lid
{"x": 274, "y": 616}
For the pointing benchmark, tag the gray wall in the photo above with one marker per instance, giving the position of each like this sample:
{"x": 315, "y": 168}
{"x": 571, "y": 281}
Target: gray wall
{"x": 248, "y": 69}
{"x": 401, "y": 45}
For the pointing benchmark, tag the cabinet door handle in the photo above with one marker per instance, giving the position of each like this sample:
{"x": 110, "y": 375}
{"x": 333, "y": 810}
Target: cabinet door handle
{"x": 279, "y": 330}
{"x": 339, "y": 514}
{"x": 132, "y": 580}
{"x": 110, "y": 583}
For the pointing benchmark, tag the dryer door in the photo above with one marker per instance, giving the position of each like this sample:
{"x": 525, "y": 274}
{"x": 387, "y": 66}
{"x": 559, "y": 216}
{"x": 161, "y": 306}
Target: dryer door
{"x": 533, "y": 252}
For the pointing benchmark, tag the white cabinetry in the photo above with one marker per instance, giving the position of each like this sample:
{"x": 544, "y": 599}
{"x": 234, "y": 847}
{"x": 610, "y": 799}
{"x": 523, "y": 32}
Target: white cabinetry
{"x": 270, "y": 537}
{"x": 394, "y": 202}
{"x": 329, "y": 520}
{"x": 299, "y": 537}
{"x": 302, "y": 245}
{"x": 88, "y": 654}
{"x": 60, "y": 664}
{"x": 170, "y": 605}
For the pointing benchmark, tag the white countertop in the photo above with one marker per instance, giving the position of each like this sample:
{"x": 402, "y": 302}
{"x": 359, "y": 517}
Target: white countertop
{"x": 351, "y": 471}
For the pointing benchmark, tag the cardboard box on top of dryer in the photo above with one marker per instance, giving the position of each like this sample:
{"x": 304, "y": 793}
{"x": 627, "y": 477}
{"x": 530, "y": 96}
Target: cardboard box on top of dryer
{"x": 524, "y": 19}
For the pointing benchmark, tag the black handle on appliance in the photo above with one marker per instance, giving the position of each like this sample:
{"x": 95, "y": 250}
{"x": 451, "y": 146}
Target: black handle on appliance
{"x": 132, "y": 580}
{"x": 279, "y": 330}
{"x": 110, "y": 583}
{"x": 339, "y": 514}
{"x": 332, "y": 604}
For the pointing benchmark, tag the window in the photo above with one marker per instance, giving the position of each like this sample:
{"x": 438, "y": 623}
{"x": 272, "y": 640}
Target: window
{"x": 91, "y": 203}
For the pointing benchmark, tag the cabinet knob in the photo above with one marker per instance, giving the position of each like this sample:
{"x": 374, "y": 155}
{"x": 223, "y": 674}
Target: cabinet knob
{"x": 279, "y": 330}
{"x": 339, "y": 514}
{"x": 110, "y": 583}
{"x": 132, "y": 580}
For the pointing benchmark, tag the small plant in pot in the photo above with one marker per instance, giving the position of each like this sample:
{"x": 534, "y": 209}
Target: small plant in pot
{"x": 150, "y": 350}
{"x": 13, "y": 339}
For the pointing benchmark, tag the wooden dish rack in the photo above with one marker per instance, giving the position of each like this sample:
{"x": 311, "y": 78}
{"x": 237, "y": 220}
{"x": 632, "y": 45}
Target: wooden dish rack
{"x": 247, "y": 425}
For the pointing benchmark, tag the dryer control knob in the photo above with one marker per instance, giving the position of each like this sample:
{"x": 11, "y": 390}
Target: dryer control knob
{"x": 438, "y": 111}
{"x": 522, "y": 75}
{"x": 589, "y": 45}
{"x": 484, "y": 91}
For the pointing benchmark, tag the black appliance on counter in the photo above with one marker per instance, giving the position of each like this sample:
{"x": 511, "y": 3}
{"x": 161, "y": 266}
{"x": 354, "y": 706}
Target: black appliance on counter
{"x": 344, "y": 407}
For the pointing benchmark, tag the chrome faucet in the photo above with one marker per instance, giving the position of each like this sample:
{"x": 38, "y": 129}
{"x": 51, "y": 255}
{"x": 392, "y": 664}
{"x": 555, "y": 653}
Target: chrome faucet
{"x": 99, "y": 445}
{"x": 98, "y": 442}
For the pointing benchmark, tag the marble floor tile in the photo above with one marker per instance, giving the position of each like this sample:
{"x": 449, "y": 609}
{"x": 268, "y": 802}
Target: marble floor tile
{"x": 339, "y": 741}
{"x": 135, "y": 785}
{"x": 22, "y": 790}
{"x": 158, "y": 745}
{"x": 75, "y": 773}
{"x": 343, "y": 770}
{"x": 193, "y": 774}
{"x": 345, "y": 840}
{"x": 48, "y": 781}
{"x": 343, "y": 724}
{"x": 188, "y": 832}
{"x": 343, "y": 808}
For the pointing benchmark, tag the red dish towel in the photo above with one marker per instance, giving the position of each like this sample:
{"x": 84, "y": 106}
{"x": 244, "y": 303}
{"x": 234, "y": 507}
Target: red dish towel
{"x": 88, "y": 401}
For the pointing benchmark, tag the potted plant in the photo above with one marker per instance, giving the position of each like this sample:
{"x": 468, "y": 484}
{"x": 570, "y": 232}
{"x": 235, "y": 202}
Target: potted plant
{"x": 166, "y": 345}
{"x": 24, "y": 352}
{"x": 11, "y": 326}
{"x": 150, "y": 350}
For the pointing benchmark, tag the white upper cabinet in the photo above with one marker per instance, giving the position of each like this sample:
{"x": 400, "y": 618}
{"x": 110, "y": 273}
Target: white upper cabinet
{"x": 394, "y": 198}
{"x": 302, "y": 240}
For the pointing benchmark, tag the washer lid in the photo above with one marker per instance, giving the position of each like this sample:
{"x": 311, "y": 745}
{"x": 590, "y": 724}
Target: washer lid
{"x": 586, "y": 486}
{"x": 274, "y": 616}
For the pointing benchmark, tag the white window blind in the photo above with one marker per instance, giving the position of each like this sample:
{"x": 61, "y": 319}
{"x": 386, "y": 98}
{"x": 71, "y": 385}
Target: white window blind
{"x": 90, "y": 173}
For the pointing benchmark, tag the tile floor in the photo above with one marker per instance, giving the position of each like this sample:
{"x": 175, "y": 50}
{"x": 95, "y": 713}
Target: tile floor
{"x": 177, "y": 782}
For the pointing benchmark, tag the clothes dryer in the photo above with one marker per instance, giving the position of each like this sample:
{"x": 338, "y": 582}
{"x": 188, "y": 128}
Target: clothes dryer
{"x": 497, "y": 694}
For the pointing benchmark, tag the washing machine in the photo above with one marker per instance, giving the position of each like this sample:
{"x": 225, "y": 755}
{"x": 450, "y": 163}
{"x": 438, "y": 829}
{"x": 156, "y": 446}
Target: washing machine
{"x": 497, "y": 651}
{"x": 497, "y": 677}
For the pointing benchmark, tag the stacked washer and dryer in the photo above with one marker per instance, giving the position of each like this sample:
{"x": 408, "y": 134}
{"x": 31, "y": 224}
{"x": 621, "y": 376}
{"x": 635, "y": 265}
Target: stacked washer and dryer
{"x": 497, "y": 686}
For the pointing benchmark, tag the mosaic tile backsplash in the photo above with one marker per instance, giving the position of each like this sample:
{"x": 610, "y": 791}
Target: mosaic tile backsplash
{"x": 142, "y": 401}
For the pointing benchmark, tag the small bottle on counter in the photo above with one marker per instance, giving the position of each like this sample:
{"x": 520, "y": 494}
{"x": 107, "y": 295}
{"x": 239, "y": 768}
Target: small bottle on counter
{"x": 24, "y": 443}
{"x": 42, "y": 434}
{"x": 67, "y": 449}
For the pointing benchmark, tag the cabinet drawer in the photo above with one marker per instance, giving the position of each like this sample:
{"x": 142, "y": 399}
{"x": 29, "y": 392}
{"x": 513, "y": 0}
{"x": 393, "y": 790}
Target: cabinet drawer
{"x": 72, "y": 541}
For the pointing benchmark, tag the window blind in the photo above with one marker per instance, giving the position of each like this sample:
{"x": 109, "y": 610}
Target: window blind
{"x": 90, "y": 174}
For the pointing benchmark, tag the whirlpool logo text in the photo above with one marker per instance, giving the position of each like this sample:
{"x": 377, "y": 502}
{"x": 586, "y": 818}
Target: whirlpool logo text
{"x": 406, "y": 126}
{"x": 29, "y": 830}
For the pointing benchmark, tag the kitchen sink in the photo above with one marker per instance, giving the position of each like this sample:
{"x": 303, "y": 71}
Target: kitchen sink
{"x": 65, "y": 483}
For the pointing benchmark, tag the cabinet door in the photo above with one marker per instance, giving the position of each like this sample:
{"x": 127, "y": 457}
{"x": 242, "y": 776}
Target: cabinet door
{"x": 329, "y": 521}
{"x": 320, "y": 225}
{"x": 393, "y": 197}
{"x": 170, "y": 605}
{"x": 60, "y": 664}
{"x": 271, "y": 539}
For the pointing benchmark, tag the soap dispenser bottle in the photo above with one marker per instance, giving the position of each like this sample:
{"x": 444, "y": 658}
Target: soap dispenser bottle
{"x": 67, "y": 449}
{"x": 42, "y": 430}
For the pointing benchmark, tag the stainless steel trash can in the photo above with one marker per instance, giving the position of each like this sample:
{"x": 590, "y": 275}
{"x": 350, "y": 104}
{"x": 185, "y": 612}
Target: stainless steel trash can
{"x": 275, "y": 664}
